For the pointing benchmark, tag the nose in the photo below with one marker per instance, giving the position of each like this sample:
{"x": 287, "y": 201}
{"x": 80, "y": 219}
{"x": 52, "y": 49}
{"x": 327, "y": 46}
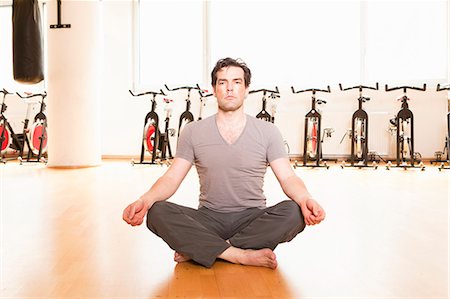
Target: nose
{"x": 229, "y": 87}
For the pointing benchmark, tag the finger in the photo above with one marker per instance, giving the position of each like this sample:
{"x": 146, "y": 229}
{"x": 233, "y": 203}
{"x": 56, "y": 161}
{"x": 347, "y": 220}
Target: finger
{"x": 321, "y": 215}
{"x": 306, "y": 215}
{"x": 320, "y": 218}
{"x": 307, "y": 220}
{"x": 131, "y": 211}
{"x": 316, "y": 210}
{"x": 125, "y": 215}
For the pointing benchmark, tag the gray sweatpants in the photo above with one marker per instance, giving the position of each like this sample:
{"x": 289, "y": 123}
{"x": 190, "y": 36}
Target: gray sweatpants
{"x": 201, "y": 234}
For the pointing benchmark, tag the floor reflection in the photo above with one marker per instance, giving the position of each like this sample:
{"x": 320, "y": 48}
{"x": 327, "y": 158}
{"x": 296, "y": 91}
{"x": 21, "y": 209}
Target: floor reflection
{"x": 224, "y": 280}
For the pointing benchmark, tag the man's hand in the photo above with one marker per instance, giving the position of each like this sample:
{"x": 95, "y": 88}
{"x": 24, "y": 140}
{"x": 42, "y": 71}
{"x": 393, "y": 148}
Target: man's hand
{"x": 134, "y": 214}
{"x": 312, "y": 212}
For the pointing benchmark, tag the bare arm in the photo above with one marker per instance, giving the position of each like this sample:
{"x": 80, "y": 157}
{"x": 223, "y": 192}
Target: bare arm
{"x": 162, "y": 189}
{"x": 294, "y": 188}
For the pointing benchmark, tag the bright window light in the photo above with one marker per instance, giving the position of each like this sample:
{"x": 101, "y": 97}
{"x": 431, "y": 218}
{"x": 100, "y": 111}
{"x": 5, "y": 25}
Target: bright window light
{"x": 170, "y": 43}
{"x": 6, "y": 73}
{"x": 303, "y": 43}
{"x": 407, "y": 41}
{"x": 289, "y": 42}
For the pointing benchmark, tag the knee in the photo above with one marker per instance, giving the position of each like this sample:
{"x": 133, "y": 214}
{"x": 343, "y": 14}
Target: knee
{"x": 293, "y": 215}
{"x": 156, "y": 214}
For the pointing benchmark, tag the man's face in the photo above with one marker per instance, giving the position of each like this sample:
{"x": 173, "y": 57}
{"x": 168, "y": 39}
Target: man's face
{"x": 230, "y": 89}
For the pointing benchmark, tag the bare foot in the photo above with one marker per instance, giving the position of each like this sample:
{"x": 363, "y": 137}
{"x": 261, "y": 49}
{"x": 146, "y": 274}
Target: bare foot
{"x": 179, "y": 257}
{"x": 261, "y": 258}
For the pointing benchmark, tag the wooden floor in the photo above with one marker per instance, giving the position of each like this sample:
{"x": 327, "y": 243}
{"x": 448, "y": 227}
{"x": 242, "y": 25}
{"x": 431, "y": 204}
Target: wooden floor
{"x": 386, "y": 236}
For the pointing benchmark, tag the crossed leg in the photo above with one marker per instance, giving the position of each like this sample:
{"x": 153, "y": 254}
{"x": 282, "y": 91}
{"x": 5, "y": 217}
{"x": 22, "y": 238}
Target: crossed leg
{"x": 263, "y": 257}
{"x": 249, "y": 243}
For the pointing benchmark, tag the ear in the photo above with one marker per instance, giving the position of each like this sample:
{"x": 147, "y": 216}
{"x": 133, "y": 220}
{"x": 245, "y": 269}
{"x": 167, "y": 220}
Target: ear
{"x": 247, "y": 90}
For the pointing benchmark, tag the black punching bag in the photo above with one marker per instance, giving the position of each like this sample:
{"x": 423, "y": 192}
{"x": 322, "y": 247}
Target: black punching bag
{"x": 27, "y": 42}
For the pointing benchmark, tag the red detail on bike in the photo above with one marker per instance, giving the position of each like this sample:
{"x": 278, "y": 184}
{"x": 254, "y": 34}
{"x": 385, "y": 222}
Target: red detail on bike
{"x": 38, "y": 132}
{"x": 314, "y": 138}
{"x": 5, "y": 133}
{"x": 150, "y": 137}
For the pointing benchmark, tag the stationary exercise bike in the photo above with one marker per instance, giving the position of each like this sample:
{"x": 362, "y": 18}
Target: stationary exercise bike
{"x": 312, "y": 142}
{"x": 264, "y": 114}
{"x": 270, "y": 116}
{"x": 445, "y": 152}
{"x": 404, "y": 123}
{"x": 8, "y": 138}
{"x": 36, "y": 137}
{"x": 153, "y": 141}
{"x": 187, "y": 116}
{"x": 360, "y": 131}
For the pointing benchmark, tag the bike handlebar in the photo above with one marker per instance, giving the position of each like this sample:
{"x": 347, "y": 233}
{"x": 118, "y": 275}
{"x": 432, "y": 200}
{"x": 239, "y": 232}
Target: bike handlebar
{"x": 43, "y": 95}
{"x": 406, "y": 87}
{"x": 154, "y": 93}
{"x": 314, "y": 90}
{"x": 5, "y": 92}
{"x": 265, "y": 90}
{"x": 200, "y": 92}
{"x": 197, "y": 87}
{"x": 445, "y": 87}
{"x": 360, "y": 87}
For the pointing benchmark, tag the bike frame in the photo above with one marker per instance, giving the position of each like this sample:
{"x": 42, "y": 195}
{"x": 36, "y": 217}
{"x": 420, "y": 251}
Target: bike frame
{"x": 263, "y": 114}
{"x": 151, "y": 124}
{"x": 8, "y": 138}
{"x": 313, "y": 123}
{"x": 360, "y": 128}
{"x": 36, "y": 143}
{"x": 403, "y": 121}
{"x": 447, "y": 139}
{"x": 203, "y": 97}
{"x": 187, "y": 116}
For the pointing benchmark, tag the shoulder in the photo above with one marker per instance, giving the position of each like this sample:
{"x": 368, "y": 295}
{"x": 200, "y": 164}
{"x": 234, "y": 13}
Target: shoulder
{"x": 261, "y": 125}
{"x": 202, "y": 124}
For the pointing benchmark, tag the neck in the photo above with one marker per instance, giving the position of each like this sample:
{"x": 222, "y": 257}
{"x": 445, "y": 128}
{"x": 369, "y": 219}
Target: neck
{"x": 230, "y": 125}
{"x": 231, "y": 118}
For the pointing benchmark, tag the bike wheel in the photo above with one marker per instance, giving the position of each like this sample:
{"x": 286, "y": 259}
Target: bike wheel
{"x": 312, "y": 138}
{"x": 359, "y": 137}
{"x": 38, "y": 132}
{"x": 6, "y": 137}
{"x": 404, "y": 139}
{"x": 183, "y": 123}
{"x": 150, "y": 137}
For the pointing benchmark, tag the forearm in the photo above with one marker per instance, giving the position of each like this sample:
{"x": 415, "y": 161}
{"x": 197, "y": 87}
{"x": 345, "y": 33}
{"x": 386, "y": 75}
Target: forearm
{"x": 161, "y": 190}
{"x": 295, "y": 189}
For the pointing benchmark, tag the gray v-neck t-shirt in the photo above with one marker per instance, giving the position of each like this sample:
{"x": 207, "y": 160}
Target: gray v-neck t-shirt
{"x": 231, "y": 175}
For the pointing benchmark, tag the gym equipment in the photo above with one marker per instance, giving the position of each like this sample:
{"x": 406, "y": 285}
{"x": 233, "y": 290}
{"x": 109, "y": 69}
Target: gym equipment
{"x": 203, "y": 97}
{"x": 404, "y": 123}
{"x": 360, "y": 131}
{"x": 445, "y": 152}
{"x": 152, "y": 137}
{"x": 164, "y": 146}
{"x": 312, "y": 146}
{"x": 266, "y": 116}
{"x": 187, "y": 116}
{"x": 263, "y": 114}
{"x": 27, "y": 47}
{"x": 36, "y": 137}
{"x": 8, "y": 138}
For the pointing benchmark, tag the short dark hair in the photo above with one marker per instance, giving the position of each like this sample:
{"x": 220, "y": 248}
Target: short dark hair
{"x": 226, "y": 62}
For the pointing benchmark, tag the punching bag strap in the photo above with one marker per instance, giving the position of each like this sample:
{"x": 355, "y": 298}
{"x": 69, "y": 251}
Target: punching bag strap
{"x": 59, "y": 25}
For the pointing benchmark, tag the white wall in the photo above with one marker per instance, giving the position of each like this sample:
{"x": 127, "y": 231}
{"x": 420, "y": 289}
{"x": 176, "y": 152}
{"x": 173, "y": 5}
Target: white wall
{"x": 122, "y": 115}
